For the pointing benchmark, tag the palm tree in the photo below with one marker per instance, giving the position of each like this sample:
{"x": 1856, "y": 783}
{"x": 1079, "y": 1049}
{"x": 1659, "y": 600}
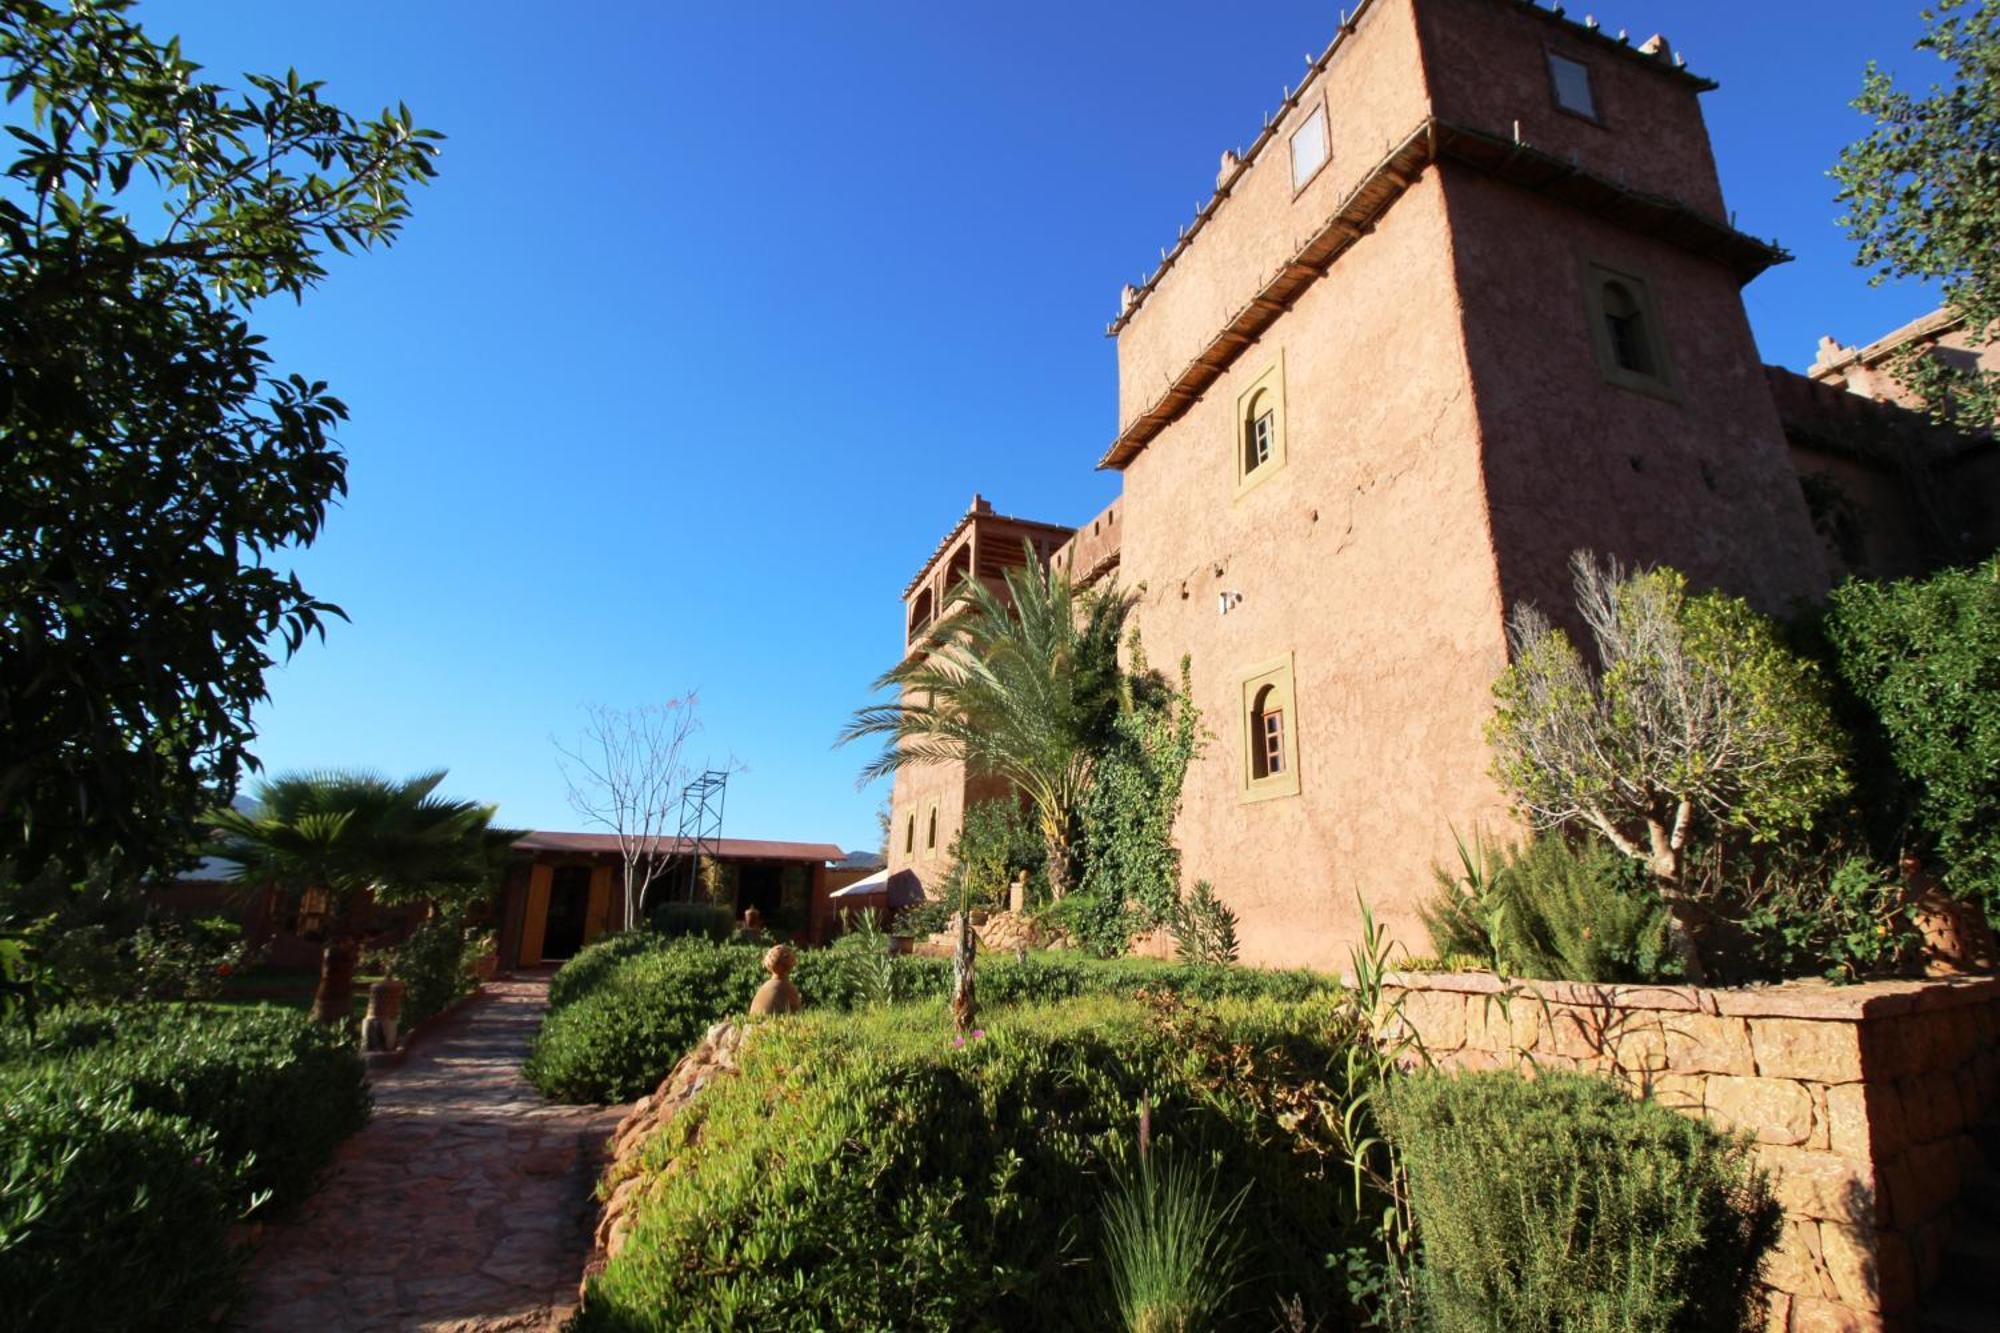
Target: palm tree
{"x": 357, "y": 837}
{"x": 1023, "y": 686}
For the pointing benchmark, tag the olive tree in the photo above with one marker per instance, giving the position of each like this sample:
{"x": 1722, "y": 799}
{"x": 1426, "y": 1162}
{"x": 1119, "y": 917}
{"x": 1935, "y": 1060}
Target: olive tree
{"x": 1693, "y": 713}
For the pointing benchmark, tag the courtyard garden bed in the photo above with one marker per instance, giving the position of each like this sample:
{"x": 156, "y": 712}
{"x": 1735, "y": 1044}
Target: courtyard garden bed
{"x": 626, "y": 1008}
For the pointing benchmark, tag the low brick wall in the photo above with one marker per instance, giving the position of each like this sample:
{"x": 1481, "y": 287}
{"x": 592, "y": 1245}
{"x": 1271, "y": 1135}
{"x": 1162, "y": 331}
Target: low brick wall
{"x": 1860, "y": 1099}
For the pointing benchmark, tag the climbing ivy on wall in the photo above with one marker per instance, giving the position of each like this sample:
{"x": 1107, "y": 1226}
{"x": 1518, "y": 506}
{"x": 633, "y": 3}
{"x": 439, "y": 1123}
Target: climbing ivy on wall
{"x": 1131, "y": 868}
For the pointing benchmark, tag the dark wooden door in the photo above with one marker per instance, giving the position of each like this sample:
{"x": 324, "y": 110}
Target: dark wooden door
{"x": 569, "y": 906}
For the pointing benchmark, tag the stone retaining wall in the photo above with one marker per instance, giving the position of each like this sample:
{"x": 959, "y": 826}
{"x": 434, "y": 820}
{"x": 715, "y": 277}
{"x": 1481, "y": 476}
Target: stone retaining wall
{"x": 1861, "y": 1099}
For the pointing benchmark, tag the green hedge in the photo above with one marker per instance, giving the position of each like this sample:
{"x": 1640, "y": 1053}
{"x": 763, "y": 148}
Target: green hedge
{"x": 866, "y": 1172}
{"x": 1562, "y": 1203}
{"x": 625, "y": 1009}
{"x": 279, "y": 1091}
{"x": 134, "y": 1138}
{"x": 110, "y": 1216}
{"x": 1922, "y": 659}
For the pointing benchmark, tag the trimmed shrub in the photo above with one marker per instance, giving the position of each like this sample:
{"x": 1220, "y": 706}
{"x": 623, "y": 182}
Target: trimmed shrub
{"x": 1562, "y": 1203}
{"x": 111, "y": 1216}
{"x": 590, "y": 965}
{"x": 279, "y": 1091}
{"x": 435, "y": 963}
{"x": 869, "y": 1172}
{"x": 133, "y": 1138}
{"x": 635, "y": 1006}
{"x": 619, "y": 1030}
{"x": 711, "y": 921}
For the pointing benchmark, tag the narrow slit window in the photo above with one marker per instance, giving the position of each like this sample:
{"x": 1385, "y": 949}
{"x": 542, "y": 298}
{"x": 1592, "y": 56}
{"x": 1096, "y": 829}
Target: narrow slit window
{"x": 1309, "y": 148}
{"x": 930, "y": 837}
{"x": 910, "y": 836}
{"x": 1571, "y": 81}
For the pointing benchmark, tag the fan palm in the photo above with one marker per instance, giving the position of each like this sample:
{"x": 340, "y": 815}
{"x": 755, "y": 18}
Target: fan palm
{"x": 357, "y": 837}
{"x": 1022, "y": 686}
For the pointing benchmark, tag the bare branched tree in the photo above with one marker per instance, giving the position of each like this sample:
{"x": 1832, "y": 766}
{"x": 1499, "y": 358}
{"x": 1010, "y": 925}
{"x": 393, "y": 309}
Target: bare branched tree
{"x": 1695, "y": 713}
{"x": 625, "y": 774}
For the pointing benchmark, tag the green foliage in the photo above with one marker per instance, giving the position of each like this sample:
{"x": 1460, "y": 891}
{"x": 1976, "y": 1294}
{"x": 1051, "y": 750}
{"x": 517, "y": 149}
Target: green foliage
{"x": 996, "y": 843}
{"x": 1171, "y": 1245}
{"x": 1555, "y": 912}
{"x": 111, "y": 1216}
{"x": 1923, "y": 657}
{"x": 1020, "y": 684}
{"x": 592, "y": 965}
{"x": 626, "y": 1008}
{"x": 133, "y": 1138}
{"x": 1921, "y": 194}
{"x": 711, "y": 921}
{"x": 1204, "y": 928}
{"x": 1562, "y": 1204}
{"x": 352, "y": 833}
{"x": 1132, "y": 870}
{"x": 280, "y": 1092}
{"x": 874, "y": 1173}
{"x": 154, "y": 465}
{"x": 1849, "y": 925}
{"x": 868, "y": 962}
{"x": 924, "y": 919}
{"x": 185, "y": 958}
{"x": 1697, "y": 715}
{"x": 435, "y": 963}
{"x": 617, "y": 1038}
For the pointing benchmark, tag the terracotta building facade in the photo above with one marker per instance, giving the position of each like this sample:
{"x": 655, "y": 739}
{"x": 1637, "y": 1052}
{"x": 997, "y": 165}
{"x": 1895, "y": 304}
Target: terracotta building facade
{"x": 1470, "y": 302}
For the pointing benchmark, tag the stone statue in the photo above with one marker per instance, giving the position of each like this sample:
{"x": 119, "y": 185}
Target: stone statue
{"x": 385, "y": 1007}
{"x": 778, "y": 995}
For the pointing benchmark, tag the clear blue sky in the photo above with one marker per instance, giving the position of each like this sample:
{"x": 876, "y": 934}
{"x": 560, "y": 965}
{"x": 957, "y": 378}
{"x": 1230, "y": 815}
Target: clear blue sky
{"x": 718, "y": 315}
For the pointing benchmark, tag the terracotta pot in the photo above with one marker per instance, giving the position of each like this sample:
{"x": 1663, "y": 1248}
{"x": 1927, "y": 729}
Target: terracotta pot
{"x": 487, "y": 966}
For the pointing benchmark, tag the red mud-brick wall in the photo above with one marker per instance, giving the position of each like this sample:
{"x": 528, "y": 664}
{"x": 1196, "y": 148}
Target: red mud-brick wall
{"x": 1860, "y": 1099}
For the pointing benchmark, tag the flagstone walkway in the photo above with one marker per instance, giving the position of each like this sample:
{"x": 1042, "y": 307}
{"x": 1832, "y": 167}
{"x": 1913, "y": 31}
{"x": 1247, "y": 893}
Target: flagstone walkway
{"x": 463, "y": 1206}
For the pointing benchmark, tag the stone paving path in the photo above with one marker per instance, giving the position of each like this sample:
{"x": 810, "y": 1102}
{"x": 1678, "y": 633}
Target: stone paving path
{"x": 463, "y": 1206}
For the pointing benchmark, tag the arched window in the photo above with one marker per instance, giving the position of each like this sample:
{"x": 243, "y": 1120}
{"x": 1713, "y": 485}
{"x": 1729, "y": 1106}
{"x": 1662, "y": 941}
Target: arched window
{"x": 910, "y": 836}
{"x": 1269, "y": 722}
{"x": 1267, "y": 734}
{"x": 959, "y": 570}
{"x": 1260, "y": 427}
{"x": 930, "y": 837}
{"x": 1625, "y": 325}
{"x": 1260, "y": 431}
{"x": 920, "y": 613}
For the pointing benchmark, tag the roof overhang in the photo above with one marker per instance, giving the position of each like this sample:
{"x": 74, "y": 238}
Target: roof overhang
{"x": 1435, "y": 141}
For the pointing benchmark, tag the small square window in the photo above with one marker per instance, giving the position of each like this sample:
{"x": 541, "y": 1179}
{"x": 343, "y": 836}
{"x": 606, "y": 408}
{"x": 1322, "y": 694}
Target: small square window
{"x": 1571, "y": 80}
{"x": 1309, "y": 148}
